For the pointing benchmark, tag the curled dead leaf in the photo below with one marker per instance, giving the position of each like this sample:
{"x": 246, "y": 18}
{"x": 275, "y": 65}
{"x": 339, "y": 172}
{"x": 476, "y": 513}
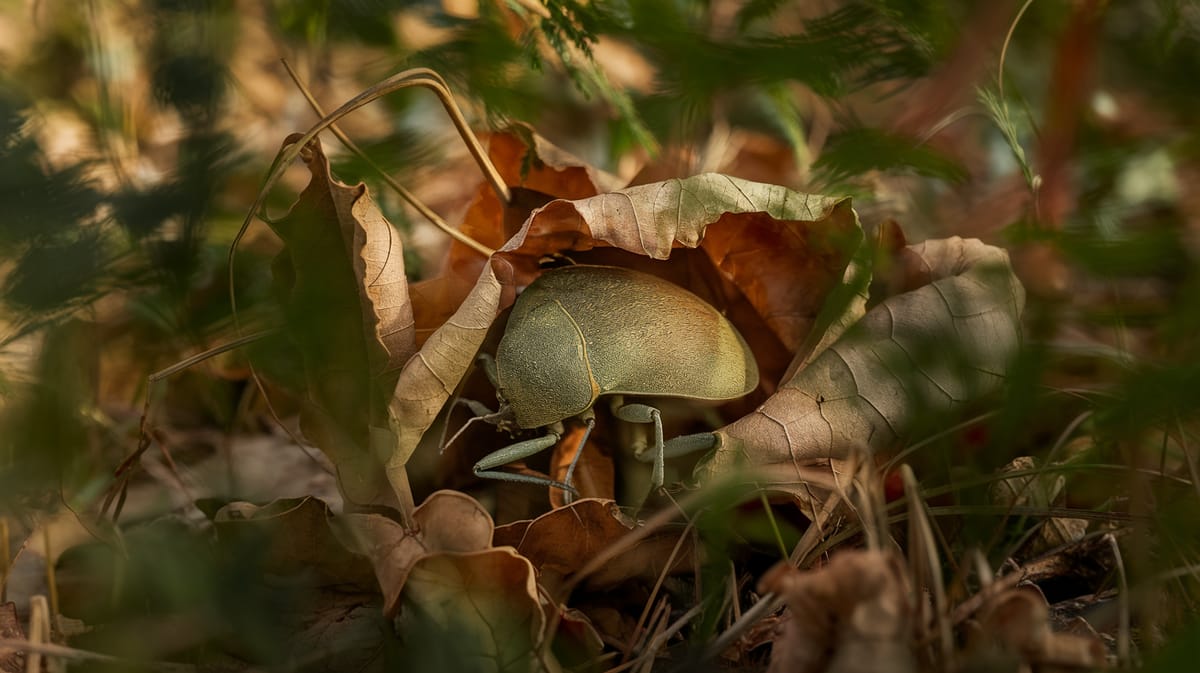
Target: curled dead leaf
{"x": 447, "y": 522}
{"x": 299, "y": 539}
{"x": 783, "y": 249}
{"x": 349, "y": 317}
{"x": 853, "y": 615}
{"x": 431, "y": 376}
{"x": 484, "y": 602}
{"x": 1017, "y": 622}
{"x": 562, "y": 541}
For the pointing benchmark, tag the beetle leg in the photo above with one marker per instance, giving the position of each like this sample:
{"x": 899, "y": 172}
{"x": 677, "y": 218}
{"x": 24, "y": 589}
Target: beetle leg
{"x": 590, "y": 421}
{"x": 644, "y": 413}
{"x": 519, "y": 451}
{"x": 685, "y": 444}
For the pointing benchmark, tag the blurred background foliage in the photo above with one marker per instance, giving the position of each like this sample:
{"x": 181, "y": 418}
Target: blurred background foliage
{"x": 135, "y": 133}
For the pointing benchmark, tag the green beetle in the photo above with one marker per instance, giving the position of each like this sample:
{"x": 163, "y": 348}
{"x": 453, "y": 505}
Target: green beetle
{"x": 578, "y": 333}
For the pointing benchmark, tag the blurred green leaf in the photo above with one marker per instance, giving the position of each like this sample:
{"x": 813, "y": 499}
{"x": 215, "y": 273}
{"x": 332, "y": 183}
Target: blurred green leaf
{"x": 859, "y": 150}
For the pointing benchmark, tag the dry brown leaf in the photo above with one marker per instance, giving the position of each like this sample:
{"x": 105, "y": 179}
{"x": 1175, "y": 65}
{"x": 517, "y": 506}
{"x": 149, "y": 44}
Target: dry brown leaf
{"x": 447, "y": 522}
{"x": 341, "y": 633}
{"x": 1017, "y": 622}
{"x": 562, "y": 541}
{"x": 299, "y": 540}
{"x": 921, "y": 352}
{"x": 11, "y": 661}
{"x": 853, "y": 615}
{"x": 652, "y": 219}
{"x": 484, "y": 602}
{"x": 577, "y": 638}
{"x": 345, "y": 297}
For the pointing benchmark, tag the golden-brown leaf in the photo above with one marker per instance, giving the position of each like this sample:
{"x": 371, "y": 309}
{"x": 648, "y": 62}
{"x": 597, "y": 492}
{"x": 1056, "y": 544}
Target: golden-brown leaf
{"x": 431, "y": 376}
{"x": 537, "y": 172}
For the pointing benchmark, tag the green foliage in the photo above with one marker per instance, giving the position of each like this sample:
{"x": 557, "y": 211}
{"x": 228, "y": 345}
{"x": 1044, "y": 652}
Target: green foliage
{"x": 859, "y": 150}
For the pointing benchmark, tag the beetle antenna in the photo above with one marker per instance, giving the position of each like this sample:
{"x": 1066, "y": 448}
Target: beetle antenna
{"x": 482, "y": 413}
{"x": 460, "y": 431}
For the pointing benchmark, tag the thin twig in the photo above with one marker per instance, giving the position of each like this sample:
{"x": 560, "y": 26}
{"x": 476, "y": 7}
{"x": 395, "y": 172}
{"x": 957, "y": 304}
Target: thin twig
{"x": 51, "y": 578}
{"x": 211, "y": 352}
{"x": 658, "y": 584}
{"x": 70, "y": 653}
{"x": 647, "y": 657}
{"x": 1123, "y": 637}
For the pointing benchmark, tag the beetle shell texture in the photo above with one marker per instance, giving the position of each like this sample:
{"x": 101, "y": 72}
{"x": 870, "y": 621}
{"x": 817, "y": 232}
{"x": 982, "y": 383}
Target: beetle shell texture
{"x": 579, "y": 332}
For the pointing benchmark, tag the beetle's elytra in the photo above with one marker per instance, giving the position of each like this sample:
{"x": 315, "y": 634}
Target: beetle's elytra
{"x": 579, "y": 332}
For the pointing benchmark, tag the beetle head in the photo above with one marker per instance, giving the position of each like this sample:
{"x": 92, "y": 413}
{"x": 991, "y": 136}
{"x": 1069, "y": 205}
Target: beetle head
{"x": 503, "y": 418}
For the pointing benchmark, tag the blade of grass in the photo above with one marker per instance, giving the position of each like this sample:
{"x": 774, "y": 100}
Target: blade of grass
{"x": 923, "y": 560}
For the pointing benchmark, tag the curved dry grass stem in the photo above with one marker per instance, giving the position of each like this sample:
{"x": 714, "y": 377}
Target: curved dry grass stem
{"x": 1012, "y": 28}
{"x": 410, "y": 198}
{"x": 409, "y": 78}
